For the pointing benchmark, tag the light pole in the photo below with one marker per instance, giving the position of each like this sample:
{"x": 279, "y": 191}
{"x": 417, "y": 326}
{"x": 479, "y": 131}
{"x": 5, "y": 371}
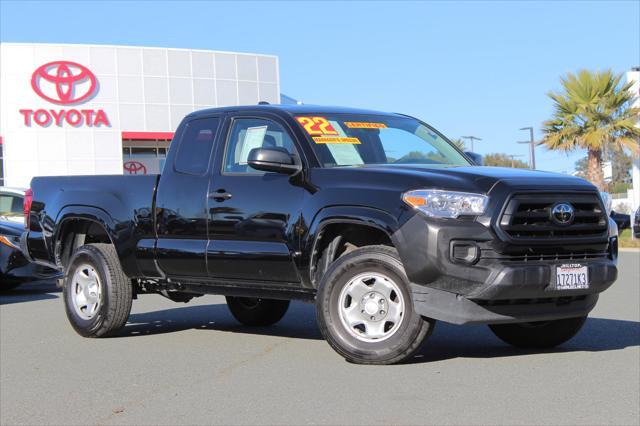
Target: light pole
{"x": 532, "y": 152}
{"x": 471, "y": 138}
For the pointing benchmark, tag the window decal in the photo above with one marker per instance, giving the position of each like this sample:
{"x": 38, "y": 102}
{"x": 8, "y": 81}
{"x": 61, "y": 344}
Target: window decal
{"x": 363, "y": 125}
{"x": 316, "y": 126}
{"x": 337, "y": 140}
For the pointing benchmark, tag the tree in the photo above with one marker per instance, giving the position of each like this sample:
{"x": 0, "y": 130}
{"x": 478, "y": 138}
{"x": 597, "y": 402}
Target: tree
{"x": 459, "y": 143}
{"x": 592, "y": 112}
{"x": 619, "y": 187}
{"x": 621, "y": 164}
{"x": 420, "y": 157}
{"x": 504, "y": 160}
{"x": 581, "y": 167}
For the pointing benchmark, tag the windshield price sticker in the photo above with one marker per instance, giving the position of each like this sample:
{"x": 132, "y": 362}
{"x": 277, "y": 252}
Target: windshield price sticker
{"x": 317, "y": 126}
{"x": 351, "y": 141}
{"x": 363, "y": 125}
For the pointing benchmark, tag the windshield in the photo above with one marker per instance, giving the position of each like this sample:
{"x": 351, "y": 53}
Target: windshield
{"x": 352, "y": 140}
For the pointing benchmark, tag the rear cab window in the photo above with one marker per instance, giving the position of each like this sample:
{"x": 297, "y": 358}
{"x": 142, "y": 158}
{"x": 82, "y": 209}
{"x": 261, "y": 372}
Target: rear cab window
{"x": 196, "y": 145}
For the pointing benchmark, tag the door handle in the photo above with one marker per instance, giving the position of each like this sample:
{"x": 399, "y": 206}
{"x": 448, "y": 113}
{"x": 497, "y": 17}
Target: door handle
{"x": 220, "y": 195}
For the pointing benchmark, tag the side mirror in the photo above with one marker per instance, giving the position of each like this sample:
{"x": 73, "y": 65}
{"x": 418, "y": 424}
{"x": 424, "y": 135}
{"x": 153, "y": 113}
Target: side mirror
{"x": 476, "y": 158}
{"x": 272, "y": 160}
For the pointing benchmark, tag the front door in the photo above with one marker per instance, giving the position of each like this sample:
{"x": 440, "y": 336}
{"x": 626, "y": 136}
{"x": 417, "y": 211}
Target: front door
{"x": 252, "y": 213}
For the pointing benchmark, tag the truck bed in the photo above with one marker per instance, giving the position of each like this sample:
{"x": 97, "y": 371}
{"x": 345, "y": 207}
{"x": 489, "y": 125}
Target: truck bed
{"x": 123, "y": 204}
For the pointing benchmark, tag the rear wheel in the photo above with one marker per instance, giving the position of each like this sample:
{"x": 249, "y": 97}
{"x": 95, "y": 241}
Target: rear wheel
{"x": 97, "y": 293}
{"x": 257, "y": 312}
{"x": 538, "y": 335}
{"x": 365, "y": 309}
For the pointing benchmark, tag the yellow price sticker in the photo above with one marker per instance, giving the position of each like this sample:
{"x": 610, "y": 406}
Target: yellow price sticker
{"x": 316, "y": 126}
{"x": 363, "y": 125}
{"x": 328, "y": 139}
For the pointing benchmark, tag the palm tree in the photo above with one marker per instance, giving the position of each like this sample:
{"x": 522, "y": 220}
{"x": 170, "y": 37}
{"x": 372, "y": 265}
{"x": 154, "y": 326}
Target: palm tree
{"x": 459, "y": 143}
{"x": 593, "y": 112}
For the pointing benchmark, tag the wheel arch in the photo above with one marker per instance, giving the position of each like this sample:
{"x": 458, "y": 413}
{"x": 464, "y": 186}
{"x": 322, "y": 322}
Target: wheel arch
{"x": 355, "y": 225}
{"x": 78, "y": 225}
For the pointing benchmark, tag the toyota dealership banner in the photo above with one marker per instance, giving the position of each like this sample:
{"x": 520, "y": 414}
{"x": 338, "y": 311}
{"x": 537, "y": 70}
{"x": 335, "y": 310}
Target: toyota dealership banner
{"x": 90, "y": 109}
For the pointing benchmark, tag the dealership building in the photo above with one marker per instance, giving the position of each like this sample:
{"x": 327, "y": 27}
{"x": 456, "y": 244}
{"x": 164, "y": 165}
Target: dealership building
{"x": 94, "y": 109}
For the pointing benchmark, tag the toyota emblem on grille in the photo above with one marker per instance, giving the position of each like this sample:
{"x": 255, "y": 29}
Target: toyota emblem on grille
{"x": 562, "y": 213}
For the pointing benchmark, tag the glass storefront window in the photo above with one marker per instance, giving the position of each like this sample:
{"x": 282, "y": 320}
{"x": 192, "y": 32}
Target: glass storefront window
{"x": 144, "y": 157}
{"x": 1, "y": 165}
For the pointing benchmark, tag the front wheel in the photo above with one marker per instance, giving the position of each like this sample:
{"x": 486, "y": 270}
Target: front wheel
{"x": 97, "y": 293}
{"x": 365, "y": 309}
{"x": 538, "y": 335}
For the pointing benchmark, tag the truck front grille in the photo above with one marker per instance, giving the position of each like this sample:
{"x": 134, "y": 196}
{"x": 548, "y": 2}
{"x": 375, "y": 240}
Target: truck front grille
{"x": 528, "y": 216}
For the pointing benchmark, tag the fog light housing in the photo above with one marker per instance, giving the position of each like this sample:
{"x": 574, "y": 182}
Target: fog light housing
{"x": 464, "y": 252}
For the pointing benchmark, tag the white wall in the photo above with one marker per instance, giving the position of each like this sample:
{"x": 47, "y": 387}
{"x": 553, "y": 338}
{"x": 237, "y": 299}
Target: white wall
{"x": 140, "y": 89}
{"x": 634, "y": 76}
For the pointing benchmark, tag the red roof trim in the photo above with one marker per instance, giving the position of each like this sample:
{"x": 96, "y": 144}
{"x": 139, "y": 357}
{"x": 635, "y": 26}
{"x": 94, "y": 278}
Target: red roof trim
{"x": 147, "y": 135}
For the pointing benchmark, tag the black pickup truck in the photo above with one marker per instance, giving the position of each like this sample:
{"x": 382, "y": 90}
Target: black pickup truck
{"x": 375, "y": 217}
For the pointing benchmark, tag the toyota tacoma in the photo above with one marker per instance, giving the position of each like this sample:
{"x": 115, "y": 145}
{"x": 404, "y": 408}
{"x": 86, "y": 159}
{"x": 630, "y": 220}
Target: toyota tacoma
{"x": 375, "y": 217}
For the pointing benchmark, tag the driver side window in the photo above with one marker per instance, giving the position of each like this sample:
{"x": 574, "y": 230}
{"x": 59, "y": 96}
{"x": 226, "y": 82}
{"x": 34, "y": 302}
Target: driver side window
{"x": 250, "y": 133}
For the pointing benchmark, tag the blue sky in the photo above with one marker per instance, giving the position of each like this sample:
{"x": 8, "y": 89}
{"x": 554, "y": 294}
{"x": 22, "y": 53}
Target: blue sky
{"x": 468, "y": 68}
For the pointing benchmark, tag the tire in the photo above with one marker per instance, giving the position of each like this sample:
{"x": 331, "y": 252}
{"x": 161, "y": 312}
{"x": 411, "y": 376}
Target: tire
{"x": 256, "y": 312}
{"x": 98, "y": 267}
{"x": 382, "y": 336}
{"x": 538, "y": 335}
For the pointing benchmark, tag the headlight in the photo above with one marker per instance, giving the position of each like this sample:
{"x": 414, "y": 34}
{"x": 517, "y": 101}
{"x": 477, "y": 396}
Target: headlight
{"x": 438, "y": 203}
{"x": 11, "y": 241}
{"x": 607, "y": 201}
{"x": 613, "y": 228}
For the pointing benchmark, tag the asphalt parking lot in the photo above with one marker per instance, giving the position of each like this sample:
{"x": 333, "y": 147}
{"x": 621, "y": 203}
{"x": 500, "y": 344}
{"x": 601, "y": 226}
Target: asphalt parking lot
{"x": 193, "y": 364}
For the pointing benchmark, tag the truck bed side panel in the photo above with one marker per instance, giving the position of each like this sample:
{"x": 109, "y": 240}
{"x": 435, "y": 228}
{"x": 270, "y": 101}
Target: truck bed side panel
{"x": 123, "y": 205}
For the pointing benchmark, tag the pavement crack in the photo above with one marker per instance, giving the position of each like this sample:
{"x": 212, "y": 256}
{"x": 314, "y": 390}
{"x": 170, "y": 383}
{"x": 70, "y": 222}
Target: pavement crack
{"x": 229, "y": 369}
{"x": 220, "y": 374}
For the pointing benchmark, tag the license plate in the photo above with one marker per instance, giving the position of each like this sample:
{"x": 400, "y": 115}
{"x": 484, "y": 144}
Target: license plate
{"x": 572, "y": 277}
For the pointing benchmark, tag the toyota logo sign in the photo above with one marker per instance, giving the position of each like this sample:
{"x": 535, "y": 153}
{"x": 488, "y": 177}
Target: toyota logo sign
{"x": 64, "y": 82}
{"x": 135, "y": 168}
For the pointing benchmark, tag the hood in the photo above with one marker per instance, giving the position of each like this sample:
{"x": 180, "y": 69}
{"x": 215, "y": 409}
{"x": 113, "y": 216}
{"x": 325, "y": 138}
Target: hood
{"x": 488, "y": 178}
{"x": 479, "y": 179}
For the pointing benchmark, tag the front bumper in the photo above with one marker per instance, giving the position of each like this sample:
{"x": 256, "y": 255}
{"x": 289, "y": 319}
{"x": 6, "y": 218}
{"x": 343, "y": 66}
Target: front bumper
{"x": 493, "y": 287}
{"x": 456, "y": 309}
